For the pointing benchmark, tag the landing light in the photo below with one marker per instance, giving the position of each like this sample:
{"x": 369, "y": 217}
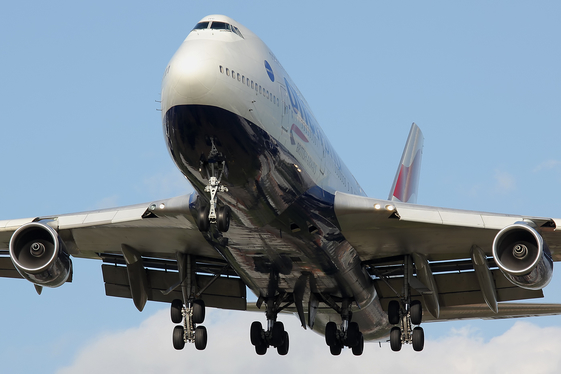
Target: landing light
{"x": 390, "y": 208}
{"x": 377, "y": 206}
{"x": 162, "y": 206}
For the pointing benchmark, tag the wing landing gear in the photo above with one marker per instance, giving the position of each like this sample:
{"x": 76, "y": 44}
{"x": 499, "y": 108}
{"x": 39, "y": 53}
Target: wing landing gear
{"x": 405, "y": 314}
{"x": 188, "y": 314}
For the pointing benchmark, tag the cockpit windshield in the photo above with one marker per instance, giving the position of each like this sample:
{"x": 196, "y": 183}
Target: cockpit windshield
{"x": 216, "y": 25}
{"x": 201, "y": 25}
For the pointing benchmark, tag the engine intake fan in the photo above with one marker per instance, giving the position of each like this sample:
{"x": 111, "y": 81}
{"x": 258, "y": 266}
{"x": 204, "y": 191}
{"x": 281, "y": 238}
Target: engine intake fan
{"x": 523, "y": 257}
{"x": 39, "y": 255}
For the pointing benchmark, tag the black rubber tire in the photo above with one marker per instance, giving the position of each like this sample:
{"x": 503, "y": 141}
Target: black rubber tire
{"x": 277, "y": 334}
{"x": 201, "y": 338}
{"x": 331, "y": 333}
{"x": 416, "y": 312}
{"x": 202, "y": 220}
{"x": 255, "y": 334}
{"x": 393, "y": 312}
{"x": 395, "y": 339}
{"x": 261, "y": 349}
{"x": 283, "y": 348}
{"x": 336, "y": 349}
{"x": 176, "y": 311}
{"x": 198, "y": 311}
{"x": 223, "y": 218}
{"x": 178, "y": 342}
{"x": 359, "y": 348}
{"x": 353, "y": 335}
{"x": 418, "y": 339}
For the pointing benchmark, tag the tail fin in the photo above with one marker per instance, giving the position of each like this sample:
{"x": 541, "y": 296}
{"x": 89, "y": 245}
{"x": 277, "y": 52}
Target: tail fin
{"x": 406, "y": 182}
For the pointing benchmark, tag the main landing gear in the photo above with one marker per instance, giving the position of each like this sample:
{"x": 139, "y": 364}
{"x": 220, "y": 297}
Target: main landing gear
{"x": 346, "y": 335}
{"x": 405, "y": 314}
{"x": 192, "y": 312}
{"x": 188, "y": 332}
{"x": 275, "y": 335}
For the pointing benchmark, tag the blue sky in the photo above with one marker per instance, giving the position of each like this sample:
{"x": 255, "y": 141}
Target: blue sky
{"x": 80, "y": 130}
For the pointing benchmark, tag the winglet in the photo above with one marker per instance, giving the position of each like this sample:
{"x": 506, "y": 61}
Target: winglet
{"x": 406, "y": 182}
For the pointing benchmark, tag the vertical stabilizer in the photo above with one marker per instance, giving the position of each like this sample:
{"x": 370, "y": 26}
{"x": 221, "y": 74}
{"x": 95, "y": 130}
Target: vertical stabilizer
{"x": 406, "y": 182}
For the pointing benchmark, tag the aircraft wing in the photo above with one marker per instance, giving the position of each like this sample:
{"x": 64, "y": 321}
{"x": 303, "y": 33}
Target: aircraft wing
{"x": 383, "y": 232}
{"x": 156, "y": 231}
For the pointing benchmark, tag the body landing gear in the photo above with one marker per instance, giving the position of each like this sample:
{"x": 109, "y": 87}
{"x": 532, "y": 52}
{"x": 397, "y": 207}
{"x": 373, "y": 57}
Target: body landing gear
{"x": 275, "y": 335}
{"x": 346, "y": 335}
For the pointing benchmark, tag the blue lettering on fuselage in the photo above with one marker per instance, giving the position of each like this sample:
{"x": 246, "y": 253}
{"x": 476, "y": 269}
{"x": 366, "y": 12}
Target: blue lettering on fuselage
{"x": 310, "y": 125}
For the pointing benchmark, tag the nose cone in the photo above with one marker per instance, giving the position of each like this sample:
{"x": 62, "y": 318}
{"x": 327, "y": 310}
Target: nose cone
{"x": 190, "y": 75}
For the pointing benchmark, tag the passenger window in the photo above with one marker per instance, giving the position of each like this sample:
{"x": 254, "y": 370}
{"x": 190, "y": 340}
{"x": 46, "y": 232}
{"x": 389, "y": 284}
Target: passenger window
{"x": 243, "y": 79}
{"x": 227, "y": 72}
{"x": 251, "y": 84}
{"x": 260, "y": 91}
{"x": 221, "y": 69}
{"x": 233, "y": 74}
{"x": 239, "y": 78}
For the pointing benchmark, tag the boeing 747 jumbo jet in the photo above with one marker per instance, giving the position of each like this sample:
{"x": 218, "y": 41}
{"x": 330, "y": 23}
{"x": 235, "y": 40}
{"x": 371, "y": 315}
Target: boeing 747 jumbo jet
{"x": 277, "y": 211}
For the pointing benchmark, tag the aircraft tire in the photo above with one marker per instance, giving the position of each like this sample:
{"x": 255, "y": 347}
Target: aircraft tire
{"x": 359, "y": 348}
{"x": 393, "y": 312}
{"x": 336, "y": 349}
{"x": 277, "y": 334}
{"x": 223, "y": 218}
{"x": 255, "y": 333}
{"x": 178, "y": 342}
{"x": 418, "y": 339}
{"x": 395, "y": 339}
{"x": 261, "y": 349}
{"x": 353, "y": 334}
{"x": 200, "y": 338}
{"x": 176, "y": 311}
{"x": 331, "y": 334}
{"x": 198, "y": 311}
{"x": 416, "y": 312}
{"x": 283, "y": 348}
{"x": 202, "y": 220}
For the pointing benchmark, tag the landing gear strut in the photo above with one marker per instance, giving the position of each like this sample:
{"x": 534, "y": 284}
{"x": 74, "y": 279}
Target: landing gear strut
{"x": 405, "y": 314}
{"x": 275, "y": 335}
{"x": 215, "y": 166}
{"x": 188, "y": 314}
{"x": 347, "y": 334}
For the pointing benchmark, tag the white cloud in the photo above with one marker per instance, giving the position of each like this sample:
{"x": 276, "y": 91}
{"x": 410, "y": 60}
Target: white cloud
{"x": 547, "y": 165}
{"x": 148, "y": 349}
{"x": 504, "y": 182}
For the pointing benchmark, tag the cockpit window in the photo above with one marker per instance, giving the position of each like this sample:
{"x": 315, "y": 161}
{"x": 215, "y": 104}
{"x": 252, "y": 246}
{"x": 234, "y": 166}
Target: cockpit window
{"x": 237, "y": 31}
{"x": 201, "y": 25}
{"x": 220, "y": 26}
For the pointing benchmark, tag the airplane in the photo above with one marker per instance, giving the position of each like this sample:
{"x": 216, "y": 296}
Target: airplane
{"x": 277, "y": 211}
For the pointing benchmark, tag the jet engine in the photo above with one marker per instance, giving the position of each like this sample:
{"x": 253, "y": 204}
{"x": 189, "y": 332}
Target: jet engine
{"x": 39, "y": 255}
{"x": 523, "y": 257}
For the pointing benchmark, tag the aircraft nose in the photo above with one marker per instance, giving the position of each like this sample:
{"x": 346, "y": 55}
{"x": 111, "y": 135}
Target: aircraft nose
{"x": 190, "y": 76}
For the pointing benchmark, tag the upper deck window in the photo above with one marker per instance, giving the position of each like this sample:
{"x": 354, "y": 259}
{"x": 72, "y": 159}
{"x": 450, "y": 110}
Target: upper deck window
{"x": 201, "y": 25}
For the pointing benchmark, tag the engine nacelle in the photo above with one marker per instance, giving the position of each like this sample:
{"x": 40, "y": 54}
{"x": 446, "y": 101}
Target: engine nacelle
{"x": 523, "y": 257}
{"x": 39, "y": 255}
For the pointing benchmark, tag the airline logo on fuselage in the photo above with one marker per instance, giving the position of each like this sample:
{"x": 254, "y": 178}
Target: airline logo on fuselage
{"x": 269, "y": 71}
